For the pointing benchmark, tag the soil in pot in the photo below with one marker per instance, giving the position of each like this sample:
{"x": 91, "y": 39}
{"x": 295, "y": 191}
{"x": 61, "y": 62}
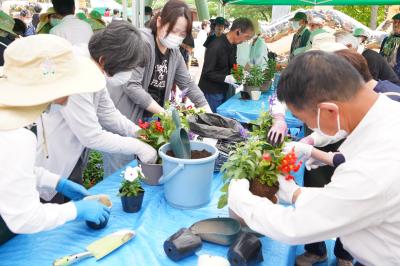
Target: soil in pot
{"x": 132, "y": 204}
{"x": 264, "y": 191}
{"x": 195, "y": 154}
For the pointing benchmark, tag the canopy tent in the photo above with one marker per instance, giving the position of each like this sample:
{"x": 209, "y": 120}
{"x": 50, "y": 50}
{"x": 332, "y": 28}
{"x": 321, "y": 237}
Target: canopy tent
{"x": 312, "y": 2}
{"x": 111, "y": 4}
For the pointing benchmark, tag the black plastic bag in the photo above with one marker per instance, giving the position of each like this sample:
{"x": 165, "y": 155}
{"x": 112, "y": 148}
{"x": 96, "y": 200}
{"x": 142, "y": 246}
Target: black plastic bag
{"x": 216, "y": 127}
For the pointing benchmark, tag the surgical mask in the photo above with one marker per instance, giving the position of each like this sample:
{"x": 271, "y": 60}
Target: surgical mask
{"x": 54, "y": 21}
{"x": 340, "y": 134}
{"x": 172, "y": 41}
{"x": 54, "y": 108}
{"x": 119, "y": 79}
{"x": 147, "y": 18}
{"x": 295, "y": 25}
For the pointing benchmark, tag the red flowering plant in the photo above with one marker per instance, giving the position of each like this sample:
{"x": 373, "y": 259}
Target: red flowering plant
{"x": 259, "y": 162}
{"x": 238, "y": 73}
{"x": 158, "y": 130}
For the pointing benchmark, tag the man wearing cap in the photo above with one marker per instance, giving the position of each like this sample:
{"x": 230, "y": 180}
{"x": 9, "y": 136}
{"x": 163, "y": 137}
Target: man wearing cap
{"x": 217, "y": 29}
{"x": 219, "y": 60}
{"x": 6, "y": 33}
{"x": 95, "y": 20}
{"x": 390, "y": 46}
{"x": 47, "y": 21}
{"x": 40, "y": 72}
{"x": 302, "y": 35}
{"x": 70, "y": 27}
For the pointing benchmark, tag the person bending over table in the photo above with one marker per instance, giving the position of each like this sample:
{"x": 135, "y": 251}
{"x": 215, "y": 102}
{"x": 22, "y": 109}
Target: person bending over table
{"x": 361, "y": 204}
{"x": 149, "y": 86}
{"x": 90, "y": 120}
{"x": 40, "y": 72}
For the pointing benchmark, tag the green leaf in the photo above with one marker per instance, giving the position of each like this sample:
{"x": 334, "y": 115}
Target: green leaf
{"x": 223, "y": 201}
{"x": 225, "y": 187}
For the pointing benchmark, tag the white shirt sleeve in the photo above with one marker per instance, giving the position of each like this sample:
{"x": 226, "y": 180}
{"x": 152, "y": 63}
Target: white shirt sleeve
{"x": 20, "y": 205}
{"x": 80, "y": 115}
{"x": 46, "y": 179}
{"x": 111, "y": 119}
{"x": 346, "y": 205}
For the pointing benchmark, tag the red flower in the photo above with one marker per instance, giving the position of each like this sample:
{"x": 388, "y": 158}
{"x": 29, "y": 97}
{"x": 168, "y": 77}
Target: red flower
{"x": 159, "y": 127}
{"x": 189, "y": 107}
{"x": 289, "y": 177}
{"x": 267, "y": 157}
{"x": 143, "y": 125}
{"x": 235, "y": 67}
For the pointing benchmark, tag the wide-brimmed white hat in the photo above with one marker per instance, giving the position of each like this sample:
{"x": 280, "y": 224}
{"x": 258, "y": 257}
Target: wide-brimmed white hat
{"x": 317, "y": 21}
{"x": 38, "y": 70}
{"x": 326, "y": 42}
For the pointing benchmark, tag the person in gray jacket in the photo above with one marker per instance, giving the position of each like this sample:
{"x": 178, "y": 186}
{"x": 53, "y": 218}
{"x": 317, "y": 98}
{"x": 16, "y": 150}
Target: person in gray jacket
{"x": 149, "y": 87}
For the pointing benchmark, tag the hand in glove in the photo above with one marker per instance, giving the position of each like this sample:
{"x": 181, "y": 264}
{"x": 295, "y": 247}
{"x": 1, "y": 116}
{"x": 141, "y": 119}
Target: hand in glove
{"x": 92, "y": 211}
{"x": 312, "y": 164}
{"x": 146, "y": 153}
{"x": 71, "y": 189}
{"x": 231, "y": 80}
{"x": 287, "y": 188}
{"x": 278, "y": 132}
{"x": 302, "y": 150}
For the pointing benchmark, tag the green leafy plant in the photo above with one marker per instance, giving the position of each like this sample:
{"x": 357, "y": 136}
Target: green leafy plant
{"x": 94, "y": 171}
{"x": 131, "y": 185}
{"x": 238, "y": 72}
{"x": 258, "y": 159}
{"x": 158, "y": 131}
{"x": 271, "y": 69}
{"x": 255, "y": 76}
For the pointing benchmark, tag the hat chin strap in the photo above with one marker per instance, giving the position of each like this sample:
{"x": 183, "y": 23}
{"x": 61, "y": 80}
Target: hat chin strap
{"x": 45, "y": 148}
{"x": 3, "y": 44}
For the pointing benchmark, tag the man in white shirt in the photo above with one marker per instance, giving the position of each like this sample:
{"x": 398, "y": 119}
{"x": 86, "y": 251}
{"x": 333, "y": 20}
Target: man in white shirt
{"x": 71, "y": 28}
{"x": 40, "y": 72}
{"x": 361, "y": 205}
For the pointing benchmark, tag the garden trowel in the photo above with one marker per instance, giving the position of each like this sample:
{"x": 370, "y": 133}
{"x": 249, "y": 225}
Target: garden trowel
{"x": 179, "y": 140}
{"x": 99, "y": 248}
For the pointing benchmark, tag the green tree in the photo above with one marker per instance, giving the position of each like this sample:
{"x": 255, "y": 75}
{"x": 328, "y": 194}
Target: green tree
{"x": 362, "y": 13}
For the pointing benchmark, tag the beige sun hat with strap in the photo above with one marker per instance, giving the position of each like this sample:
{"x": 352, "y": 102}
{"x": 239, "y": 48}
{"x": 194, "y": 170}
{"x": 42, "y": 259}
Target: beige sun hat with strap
{"x": 38, "y": 70}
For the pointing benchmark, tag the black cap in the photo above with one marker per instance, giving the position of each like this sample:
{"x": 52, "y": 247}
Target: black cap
{"x": 219, "y": 21}
{"x": 148, "y": 10}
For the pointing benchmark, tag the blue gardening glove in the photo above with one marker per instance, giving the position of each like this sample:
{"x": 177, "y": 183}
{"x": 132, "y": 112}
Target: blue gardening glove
{"x": 71, "y": 189}
{"x": 92, "y": 211}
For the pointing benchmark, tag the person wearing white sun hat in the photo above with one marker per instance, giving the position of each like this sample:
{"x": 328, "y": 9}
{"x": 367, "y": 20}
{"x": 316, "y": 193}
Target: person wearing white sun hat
{"x": 39, "y": 73}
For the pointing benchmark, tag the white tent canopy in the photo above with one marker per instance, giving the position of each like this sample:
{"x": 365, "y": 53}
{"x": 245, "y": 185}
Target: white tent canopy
{"x": 105, "y": 3}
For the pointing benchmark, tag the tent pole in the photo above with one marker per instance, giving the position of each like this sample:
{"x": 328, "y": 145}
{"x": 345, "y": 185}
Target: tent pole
{"x": 202, "y": 10}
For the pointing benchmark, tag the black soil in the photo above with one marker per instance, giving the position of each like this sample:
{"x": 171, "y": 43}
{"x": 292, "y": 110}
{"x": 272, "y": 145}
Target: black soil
{"x": 195, "y": 154}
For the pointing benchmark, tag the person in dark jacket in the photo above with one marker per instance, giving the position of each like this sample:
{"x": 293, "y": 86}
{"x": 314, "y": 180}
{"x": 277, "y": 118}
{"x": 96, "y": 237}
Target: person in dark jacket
{"x": 6, "y": 33}
{"x": 390, "y": 48}
{"x": 217, "y": 29}
{"x": 219, "y": 60}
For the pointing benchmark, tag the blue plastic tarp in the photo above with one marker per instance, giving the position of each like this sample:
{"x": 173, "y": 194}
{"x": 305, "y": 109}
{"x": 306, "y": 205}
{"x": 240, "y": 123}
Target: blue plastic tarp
{"x": 246, "y": 111}
{"x": 153, "y": 225}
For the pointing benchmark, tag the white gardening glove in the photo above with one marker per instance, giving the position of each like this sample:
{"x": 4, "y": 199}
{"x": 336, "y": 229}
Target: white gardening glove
{"x": 231, "y": 80}
{"x": 278, "y": 131}
{"x": 322, "y": 141}
{"x": 302, "y": 150}
{"x": 145, "y": 152}
{"x": 287, "y": 188}
{"x": 312, "y": 164}
{"x": 307, "y": 140}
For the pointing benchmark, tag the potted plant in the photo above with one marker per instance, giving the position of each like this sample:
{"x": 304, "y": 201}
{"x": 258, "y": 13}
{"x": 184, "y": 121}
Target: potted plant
{"x": 253, "y": 79}
{"x": 259, "y": 162}
{"x": 157, "y": 132}
{"x": 131, "y": 190}
{"x": 269, "y": 73}
{"x": 238, "y": 73}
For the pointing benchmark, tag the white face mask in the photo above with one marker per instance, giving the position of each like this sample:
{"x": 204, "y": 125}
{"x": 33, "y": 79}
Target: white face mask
{"x": 340, "y": 134}
{"x": 54, "y": 108}
{"x": 295, "y": 25}
{"x": 172, "y": 41}
{"x": 119, "y": 79}
{"x": 147, "y": 18}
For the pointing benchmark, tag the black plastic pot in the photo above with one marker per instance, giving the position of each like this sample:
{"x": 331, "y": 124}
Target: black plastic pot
{"x": 97, "y": 226}
{"x": 245, "y": 251}
{"x": 182, "y": 244}
{"x": 132, "y": 204}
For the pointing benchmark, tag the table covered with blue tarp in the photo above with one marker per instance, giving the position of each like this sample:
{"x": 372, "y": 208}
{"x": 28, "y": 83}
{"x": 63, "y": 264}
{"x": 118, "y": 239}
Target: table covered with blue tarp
{"x": 246, "y": 111}
{"x": 153, "y": 225}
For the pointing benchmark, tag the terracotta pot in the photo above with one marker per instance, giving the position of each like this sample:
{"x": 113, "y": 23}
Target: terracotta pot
{"x": 132, "y": 204}
{"x": 266, "y": 85}
{"x": 152, "y": 173}
{"x": 263, "y": 190}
